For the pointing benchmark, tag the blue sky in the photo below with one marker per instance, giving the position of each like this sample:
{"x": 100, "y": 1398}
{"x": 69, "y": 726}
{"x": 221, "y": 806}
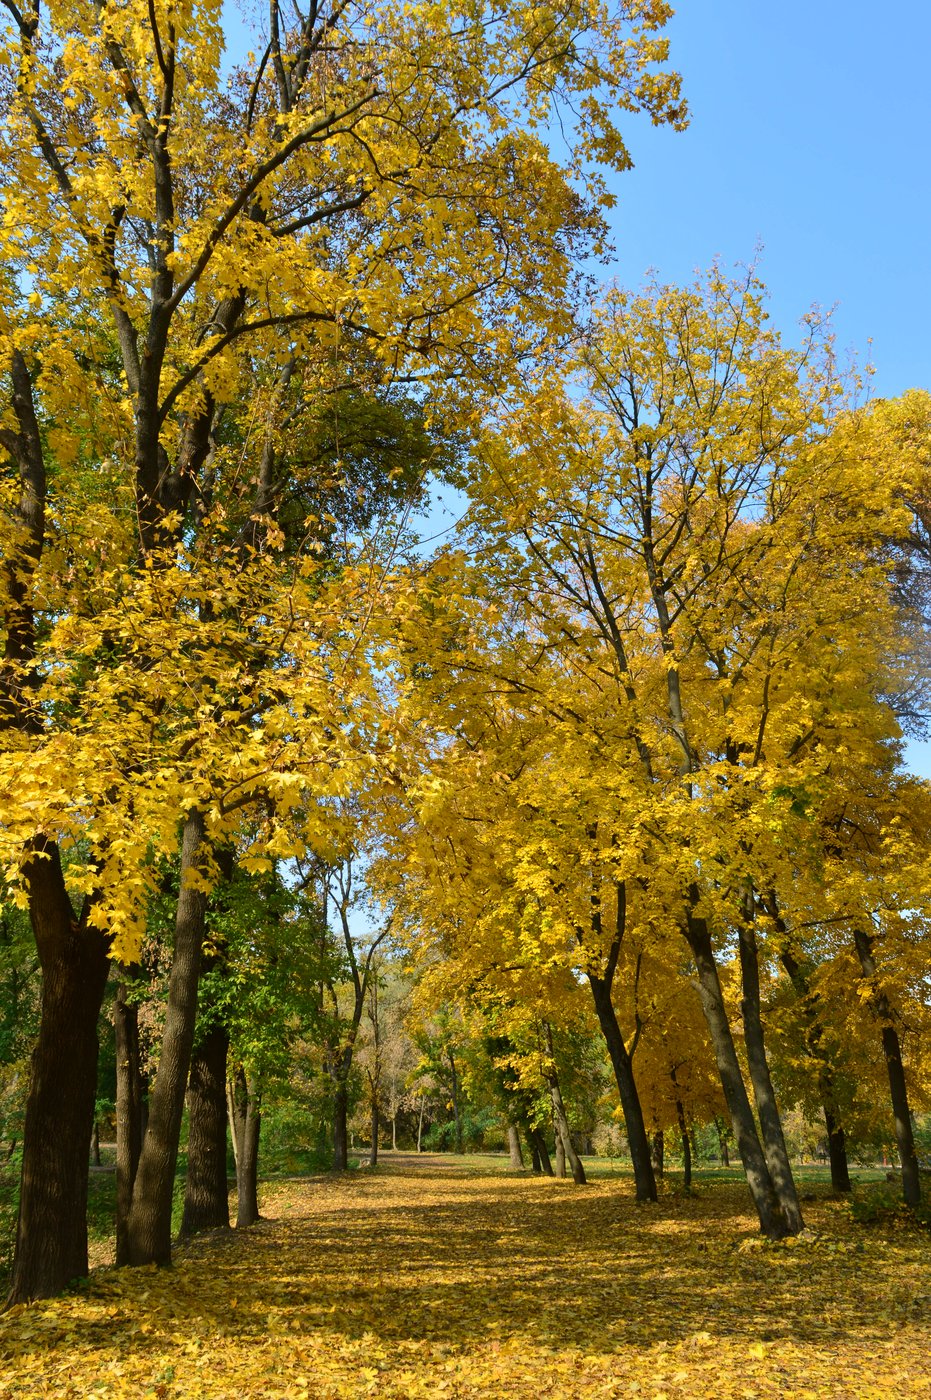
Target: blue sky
{"x": 810, "y": 135}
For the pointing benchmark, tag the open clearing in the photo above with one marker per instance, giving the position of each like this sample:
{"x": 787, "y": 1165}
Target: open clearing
{"x": 438, "y": 1282}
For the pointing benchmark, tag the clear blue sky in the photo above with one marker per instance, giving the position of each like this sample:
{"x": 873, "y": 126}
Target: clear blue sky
{"x": 810, "y": 135}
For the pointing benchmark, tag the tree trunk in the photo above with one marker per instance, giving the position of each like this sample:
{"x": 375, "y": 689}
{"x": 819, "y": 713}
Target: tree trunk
{"x": 774, "y": 1143}
{"x": 759, "y": 1180}
{"x": 560, "y": 1157}
{"x": 658, "y": 1153}
{"x": 722, "y": 1142}
{"x": 394, "y": 1133}
{"x": 373, "y": 1150}
{"x": 837, "y": 1144}
{"x": 206, "y": 1194}
{"x": 95, "y": 1144}
{"x": 130, "y": 1092}
{"x": 535, "y": 1164}
{"x": 644, "y": 1180}
{"x": 686, "y": 1148}
{"x": 516, "y": 1162}
{"x": 538, "y": 1144}
{"x": 148, "y": 1229}
{"x": 455, "y": 1081}
{"x": 561, "y": 1121}
{"x": 247, "y": 1177}
{"x": 340, "y": 1126}
{"x": 898, "y": 1090}
{"x": 837, "y": 1150}
{"x": 51, "y": 1237}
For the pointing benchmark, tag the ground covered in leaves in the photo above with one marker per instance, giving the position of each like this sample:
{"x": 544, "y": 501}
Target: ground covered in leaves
{"x": 432, "y": 1282}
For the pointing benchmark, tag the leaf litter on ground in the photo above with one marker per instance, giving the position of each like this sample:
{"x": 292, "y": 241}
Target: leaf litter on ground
{"x": 437, "y": 1283}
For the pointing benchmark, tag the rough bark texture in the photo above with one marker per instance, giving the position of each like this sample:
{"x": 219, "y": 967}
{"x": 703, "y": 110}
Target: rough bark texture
{"x": 51, "y": 1237}
{"x": 516, "y": 1161}
{"x": 686, "y": 1147}
{"x": 206, "y": 1194}
{"x": 560, "y": 1157}
{"x": 340, "y": 1126}
{"x": 130, "y": 1094}
{"x": 658, "y": 1152}
{"x": 561, "y": 1122}
{"x": 837, "y": 1142}
{"x": 373, "y": 1131}
{"x": 755, "y": 1167}
{"x": 774, "y": 1143}
{"x": 148, "y": 1228}
{"x": 638, "y": 1143}
{"x": 245, "y": 1125}
{"x": 898, "y": 1090}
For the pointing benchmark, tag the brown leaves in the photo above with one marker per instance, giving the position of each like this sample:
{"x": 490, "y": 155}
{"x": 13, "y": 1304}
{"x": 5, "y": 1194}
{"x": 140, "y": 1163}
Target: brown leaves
{"x": 439, "y": 1284}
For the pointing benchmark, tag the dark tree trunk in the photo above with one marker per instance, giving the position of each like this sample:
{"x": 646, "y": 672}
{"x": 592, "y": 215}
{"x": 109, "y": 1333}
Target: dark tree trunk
{"x": 898, "y": 1091}
{"x": 759, "y": 1180}
{"x": 516, "y": 1162}
{"x": 206, "y": 1193}
{"x": 686, "y": 1148}
{"x": 535, "y": 1164}
{"x": 774, "y": 1143}
{"x": 837, "y": 1143}
{"x": 373, "y": 1128}
{"x": 837, "y": 1151}
{"x": 538, "y": 1146}
{"x": 455, "y": 1083}
{"x": 561, "y": 1121}
{"x": 247, "y": 1178}
{"x": 340, "y": 1126}
{"x": 658, "y": 1153}
{"x": 639, "y": 1145}
{"x": 51, "y": 1237}
{"x": 130, "y": 1095}
{"x": 721, "y": 1131}
{"x": 148, "y": 1229}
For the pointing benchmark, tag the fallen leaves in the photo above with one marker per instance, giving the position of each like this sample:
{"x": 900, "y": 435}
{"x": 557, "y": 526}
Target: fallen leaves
{"x": 436, "y": 1284}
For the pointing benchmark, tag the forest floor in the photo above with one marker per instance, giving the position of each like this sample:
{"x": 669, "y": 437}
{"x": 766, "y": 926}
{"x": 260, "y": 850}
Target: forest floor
{"x": 424, "y": 1280}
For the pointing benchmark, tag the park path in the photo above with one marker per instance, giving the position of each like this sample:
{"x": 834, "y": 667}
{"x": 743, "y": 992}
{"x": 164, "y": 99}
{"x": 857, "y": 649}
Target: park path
{"x": 435, "y": 1282}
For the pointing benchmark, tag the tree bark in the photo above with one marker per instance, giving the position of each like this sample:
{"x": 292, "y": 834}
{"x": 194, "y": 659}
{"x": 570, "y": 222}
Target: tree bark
{"x": 755, "y": 1167}
{"x": 686, "y": 1147}
{"x": 898, "y": 1090}
{"x": 658, "y": 1153}
{"x": 774, "y": 1143}
{"x": 130, "y": 1093}
{"x": 148, "y": 1228}
{"x": 455, "y": 1083}
{"x": 561, "y": 1121}
{"x": 373, "y": 1150}
{"x": 51, "y": 1236}
{"x": 206, "y": 1193}
{"x": 538, "y": 1145}
{"x": 837, "y": 1150}
{"x": 837, "y": 1143}
{"x": 644, "y": 1180}
{"x": 560, "y": 1157}
{"x": 516, "y": 1162}
{"x": 248, "y": 1126}
{"x": 340, "y": 1126}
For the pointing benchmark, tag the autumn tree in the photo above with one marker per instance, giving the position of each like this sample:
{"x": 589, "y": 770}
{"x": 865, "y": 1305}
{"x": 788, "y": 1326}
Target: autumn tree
{"x": 376, "y": 173}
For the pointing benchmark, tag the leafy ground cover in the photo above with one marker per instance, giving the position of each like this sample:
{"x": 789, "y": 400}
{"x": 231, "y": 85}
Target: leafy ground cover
{"x": 435, "y": 1281}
